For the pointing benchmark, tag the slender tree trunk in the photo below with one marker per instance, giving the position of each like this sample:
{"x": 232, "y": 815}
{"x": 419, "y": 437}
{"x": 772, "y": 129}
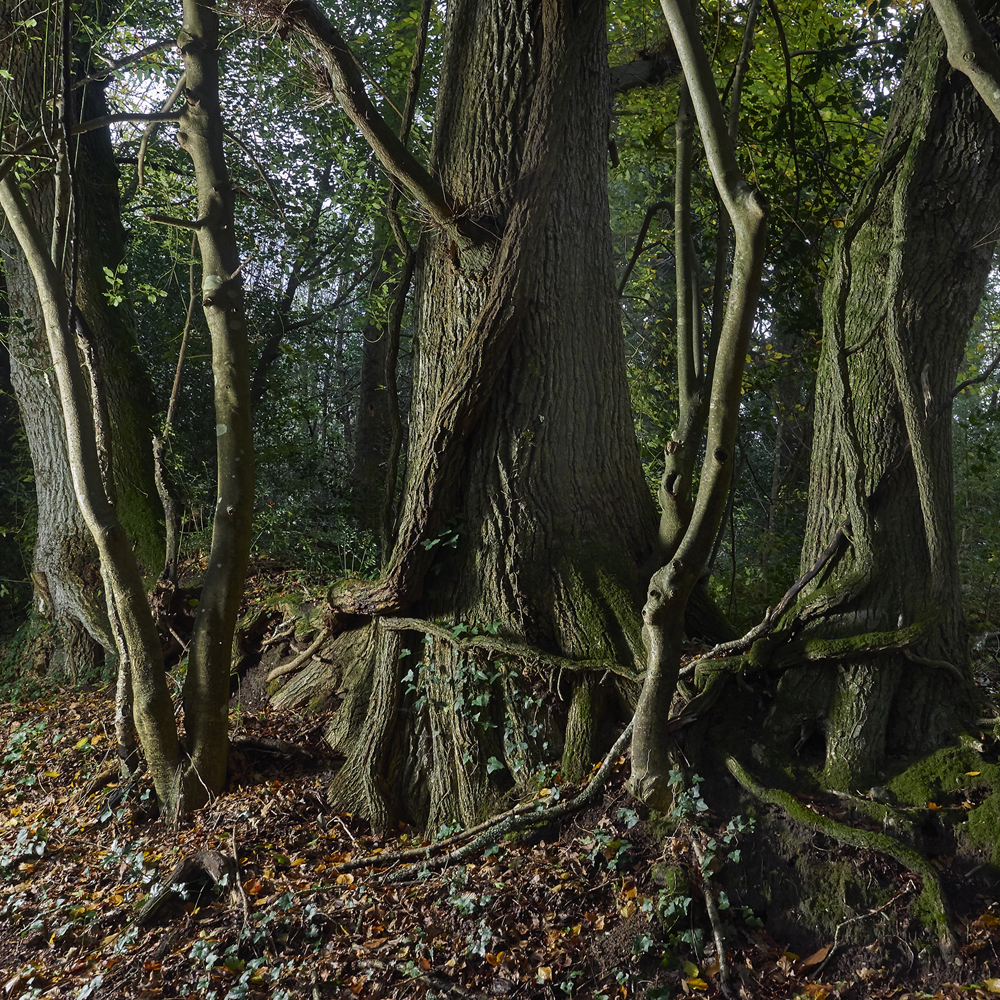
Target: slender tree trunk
{"x": 206, "y": 687}
{"x": 908, "y": 274}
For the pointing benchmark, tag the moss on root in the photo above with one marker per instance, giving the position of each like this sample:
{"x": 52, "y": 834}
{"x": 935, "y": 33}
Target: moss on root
{"x": 945, "y": 782}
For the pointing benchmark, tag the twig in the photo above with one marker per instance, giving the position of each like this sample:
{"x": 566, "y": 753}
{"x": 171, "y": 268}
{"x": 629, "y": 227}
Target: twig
{"x": 725, "y": 977}
{"x": 167, "y": 220}
{"x": 239, "y": 885}
{"x": 861, "y": 916}
{"x": 345, "y": 829}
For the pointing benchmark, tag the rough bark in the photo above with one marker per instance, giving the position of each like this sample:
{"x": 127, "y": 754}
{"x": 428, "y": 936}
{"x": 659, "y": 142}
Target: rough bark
{"x": 907, "y": 276}
{"x": 536, "y": 519}
{"x": 65, "y": 568}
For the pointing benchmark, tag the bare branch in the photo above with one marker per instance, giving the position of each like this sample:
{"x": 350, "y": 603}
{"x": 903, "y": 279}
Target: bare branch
{"x": 970, "y": 49}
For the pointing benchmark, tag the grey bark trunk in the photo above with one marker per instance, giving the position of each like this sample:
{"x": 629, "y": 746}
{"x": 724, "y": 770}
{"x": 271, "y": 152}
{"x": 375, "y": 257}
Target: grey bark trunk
{"x": 66, "y": 573}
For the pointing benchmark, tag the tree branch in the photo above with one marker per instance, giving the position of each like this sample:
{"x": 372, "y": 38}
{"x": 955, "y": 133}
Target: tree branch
{"x": 970, "y": 49}
{"x": 305, "y": 17}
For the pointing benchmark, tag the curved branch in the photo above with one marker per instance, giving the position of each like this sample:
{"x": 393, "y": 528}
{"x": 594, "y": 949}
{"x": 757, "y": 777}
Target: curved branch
{"x": 305, "y": 17}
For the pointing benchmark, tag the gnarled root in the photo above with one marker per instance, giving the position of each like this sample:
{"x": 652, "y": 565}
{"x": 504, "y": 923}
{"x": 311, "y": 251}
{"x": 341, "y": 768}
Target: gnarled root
{"x": 932, "y": 898}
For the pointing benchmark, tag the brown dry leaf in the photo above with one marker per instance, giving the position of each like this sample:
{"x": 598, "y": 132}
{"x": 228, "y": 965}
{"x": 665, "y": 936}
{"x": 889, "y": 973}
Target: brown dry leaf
{"x": 817, "y": 956}
{"x": 816, "y": 991}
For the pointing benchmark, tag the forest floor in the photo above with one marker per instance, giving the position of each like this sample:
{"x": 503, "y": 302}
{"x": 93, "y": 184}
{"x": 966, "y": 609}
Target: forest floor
{"x": 293, "y": 900}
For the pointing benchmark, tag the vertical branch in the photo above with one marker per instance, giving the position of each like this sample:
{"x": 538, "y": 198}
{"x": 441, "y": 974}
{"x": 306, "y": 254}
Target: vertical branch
{"x": 681, "y": 450}
{"x": 671, "y": 586}
{"x": 387, "y": 513}
{"x": 200, "y": 133}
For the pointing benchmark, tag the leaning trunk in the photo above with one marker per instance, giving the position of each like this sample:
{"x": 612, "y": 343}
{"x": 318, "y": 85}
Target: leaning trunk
{"x": 66, "y": 571}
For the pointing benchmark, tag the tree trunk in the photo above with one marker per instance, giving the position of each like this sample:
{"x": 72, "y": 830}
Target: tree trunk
{"x": 884, "y": 620}
{"x": 536, "y": 546}
{"x": 66, "y": 573}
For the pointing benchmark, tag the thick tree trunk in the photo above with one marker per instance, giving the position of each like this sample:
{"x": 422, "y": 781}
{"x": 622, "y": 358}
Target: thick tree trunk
{"x": 66, "y": 572}
{"x": 884, "y": 620}
{"x": 538, "y": 546}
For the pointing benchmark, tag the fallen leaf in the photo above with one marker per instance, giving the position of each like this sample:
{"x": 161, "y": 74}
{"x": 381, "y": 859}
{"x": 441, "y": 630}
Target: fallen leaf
{"x": 991, "y": 985}
{"x": 816, "y": 957}
{"x": 933, "y": 805}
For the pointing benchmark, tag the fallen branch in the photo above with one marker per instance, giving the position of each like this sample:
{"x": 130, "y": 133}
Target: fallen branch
{"x": 540, "y": 817}
{"x": 725, "y": 978}
{"x": 932, "y": 898}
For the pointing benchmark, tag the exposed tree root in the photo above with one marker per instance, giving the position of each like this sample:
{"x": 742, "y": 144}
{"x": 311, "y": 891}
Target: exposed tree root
{"x": 487, "y": 834}
{"x": 934, "y": 909}
{"x": 505, "y": 647}
{"x": 361, "y": 780}
{"x": 203, "y": 866}
{"x": 302, "y": 659}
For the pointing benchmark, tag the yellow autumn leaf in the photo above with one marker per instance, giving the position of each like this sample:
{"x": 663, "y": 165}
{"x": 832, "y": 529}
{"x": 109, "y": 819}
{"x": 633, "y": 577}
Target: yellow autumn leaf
{"x": 973, "y": 774}
{"x": 992, "y": 985}
{"x": 690, "y": 969}
{"x": 697, "y": 984}
{"x": 346, "y": 879}
{"x": 544, "y": 974}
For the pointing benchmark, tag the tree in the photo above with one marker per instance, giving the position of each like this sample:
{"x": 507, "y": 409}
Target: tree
{"x": 524, "y": 519}
{"x": 864, "y": 663}
{"x": 882, "y": 621}
{"x": 65, "y": 570}
{"x": 183, "y": 778}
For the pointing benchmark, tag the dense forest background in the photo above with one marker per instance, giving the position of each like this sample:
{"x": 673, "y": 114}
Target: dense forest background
{"x": 320, "y": 266}
{"x": 474, "y": 340}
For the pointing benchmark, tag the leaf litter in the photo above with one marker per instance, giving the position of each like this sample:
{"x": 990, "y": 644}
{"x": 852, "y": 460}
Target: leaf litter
{"x": 566, "y": 911}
